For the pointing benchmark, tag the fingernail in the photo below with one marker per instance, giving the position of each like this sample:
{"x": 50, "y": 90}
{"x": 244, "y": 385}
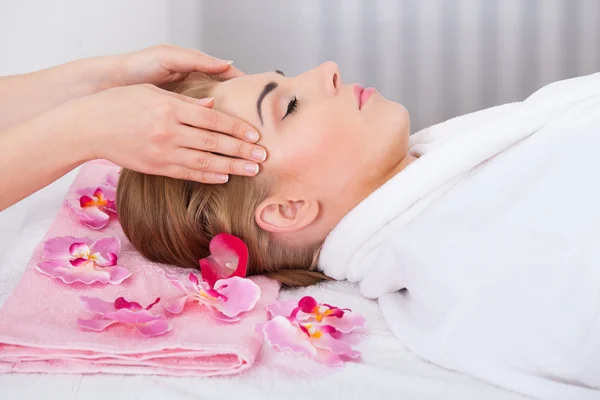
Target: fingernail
{"x": 252, "y": 136}
{"x": 251, "y": 168}
{"x": 222, "y": 62}
{"x": 259, "y": 154}
{"x": 204, "y": 101}
{"x": 222, "y": 177}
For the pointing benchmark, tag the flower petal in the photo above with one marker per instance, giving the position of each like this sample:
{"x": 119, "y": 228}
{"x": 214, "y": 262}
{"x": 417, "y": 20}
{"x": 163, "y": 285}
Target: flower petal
{"x": 120, "y": 304}
{"x": 211, "y": 271}
{"x": 153, "y": 328}
{"x": 108, "y": 260}
{"x": 281, "y": 334}
{"x": 97, "y": 305}
{"x": 307, "y": 304}
{"x": 336, "y": 346}
{"x": 62, "y": 269}
{"x": 177, "y": 306}
{"x": 86, "y": 201}
{"x": 95, "y": 324}
{"x": 58, "y": 248}
{"x": 155, "y": 302}
{"x": 91, "y": 216}
{"x": 283, "y": 308}
{"x": 194, "y": 280}
{"x": 185, "y": 288}
{"x": 48, "y": 267}
{"x": 112, "y": 180}
{"x": 79, "y": 249}
{"x": 220, "y": 316}
{"x": 87, "y": 273}
{"x": 79, "y": 262}
{"x": 231, "y": 252}
{"x": 117, "y": 275}
{"x": 109, "y": 193}
{"x": 331, "y": 331}
{"x": 327, "y": 357}
{"x": 128, "y": 316}
{"x": 106, "y": 246}
{"x": 347, "y": 323}
{"x": 229, "y": 257}
{"x": 241, "y": 294}
{"x": 111, "y": 206}
{"x": 145, "y": 322}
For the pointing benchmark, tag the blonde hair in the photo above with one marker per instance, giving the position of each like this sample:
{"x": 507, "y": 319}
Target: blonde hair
{"x": 172, "y": 221}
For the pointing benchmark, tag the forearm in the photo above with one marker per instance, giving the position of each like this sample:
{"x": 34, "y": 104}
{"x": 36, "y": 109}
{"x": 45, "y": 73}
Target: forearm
{"x": 25, "y": 96}
{"x": 36, "y": 153}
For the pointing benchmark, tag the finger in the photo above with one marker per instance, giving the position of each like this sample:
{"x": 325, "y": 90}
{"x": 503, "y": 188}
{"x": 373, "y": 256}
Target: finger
{"x": 180, "y": 59}
{"x": 215, "y": 121}
{"x": 181, "y": 172}
{"x": 208, "y": 162}
{"x": 231, "y": 73}
{"x": 207, "y": 102}
{"x": 214, "y": 142}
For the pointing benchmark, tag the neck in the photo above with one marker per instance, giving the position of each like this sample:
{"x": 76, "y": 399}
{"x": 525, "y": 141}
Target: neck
{"x": 396, "y": 169}
{"x": 340, "y": 206}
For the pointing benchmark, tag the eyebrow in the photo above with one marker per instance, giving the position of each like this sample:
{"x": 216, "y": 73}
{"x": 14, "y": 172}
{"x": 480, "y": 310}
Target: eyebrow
{"x": 269, "y": 87}
{"x": 279, "y": 72}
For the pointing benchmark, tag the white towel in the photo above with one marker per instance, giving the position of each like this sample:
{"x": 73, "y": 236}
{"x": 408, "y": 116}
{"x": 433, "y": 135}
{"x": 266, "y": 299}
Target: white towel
{"x": 484, "y": 253}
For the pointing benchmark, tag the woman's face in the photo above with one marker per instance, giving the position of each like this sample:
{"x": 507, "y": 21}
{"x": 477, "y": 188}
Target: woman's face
{"x": 322, "y": 140}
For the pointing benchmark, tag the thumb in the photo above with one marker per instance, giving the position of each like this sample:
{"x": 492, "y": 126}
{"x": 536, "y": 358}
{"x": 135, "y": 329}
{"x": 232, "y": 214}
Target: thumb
{"x": 216, "y": 66}
{"x": 179, "y": 59}
{"x": 207, "y": 102}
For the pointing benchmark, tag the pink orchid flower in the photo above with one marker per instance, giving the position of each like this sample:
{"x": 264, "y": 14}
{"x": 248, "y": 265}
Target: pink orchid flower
{"x": 316, "y": 330}
{"x": 74, "y": 259}
{"x": 93, "y": 205}
{"x": 307, "y": 310}
{"x": 123, "y": 312}
{"x": 225, "y": 294}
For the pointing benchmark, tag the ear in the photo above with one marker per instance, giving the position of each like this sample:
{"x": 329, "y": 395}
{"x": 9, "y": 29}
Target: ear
{"x": 277, "y": 214}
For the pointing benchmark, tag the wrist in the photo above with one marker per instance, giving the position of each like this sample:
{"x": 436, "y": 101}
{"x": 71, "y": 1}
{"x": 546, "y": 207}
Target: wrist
{"x": 89, "y": 76}
{"x": 72, "y": 130}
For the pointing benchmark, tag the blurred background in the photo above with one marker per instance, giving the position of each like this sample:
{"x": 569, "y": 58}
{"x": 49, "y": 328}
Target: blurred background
{"x": 440, "y": 58}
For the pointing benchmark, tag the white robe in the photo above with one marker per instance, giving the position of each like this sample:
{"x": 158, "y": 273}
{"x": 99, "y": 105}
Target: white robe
{"x": 494, "y": 235}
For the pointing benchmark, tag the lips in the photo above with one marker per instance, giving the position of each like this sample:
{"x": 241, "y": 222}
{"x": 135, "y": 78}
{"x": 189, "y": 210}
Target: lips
{"x": 362, "y": 95}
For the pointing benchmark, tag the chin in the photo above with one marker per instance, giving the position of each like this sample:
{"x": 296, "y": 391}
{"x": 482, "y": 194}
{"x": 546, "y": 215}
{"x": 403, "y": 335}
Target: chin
{"x": 395, "y": 119}
{"x": 401, "y": 116}
{"x": 397, "y": 130}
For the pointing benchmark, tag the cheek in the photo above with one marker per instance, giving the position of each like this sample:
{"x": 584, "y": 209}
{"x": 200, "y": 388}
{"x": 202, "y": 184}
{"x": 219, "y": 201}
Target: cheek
{"x": 323, "y": 156}
{"x": 306, "y": 152}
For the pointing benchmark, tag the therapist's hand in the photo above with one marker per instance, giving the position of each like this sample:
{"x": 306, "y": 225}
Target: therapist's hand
{"x": 163, "y": 64}
{"x": 148, "y": 129}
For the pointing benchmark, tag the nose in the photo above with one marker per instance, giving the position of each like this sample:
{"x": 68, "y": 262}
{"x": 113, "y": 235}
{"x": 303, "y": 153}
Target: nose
{"x": 332, "y": 80}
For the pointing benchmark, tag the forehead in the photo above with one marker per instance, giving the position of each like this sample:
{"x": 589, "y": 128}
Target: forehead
{"x": 238, "y": 96}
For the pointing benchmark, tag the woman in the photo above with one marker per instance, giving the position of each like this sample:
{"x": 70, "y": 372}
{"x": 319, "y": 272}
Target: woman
{"x": 479, "y": 237}
{"x": 286, "y": 212}
{"x": 108, "y": 107}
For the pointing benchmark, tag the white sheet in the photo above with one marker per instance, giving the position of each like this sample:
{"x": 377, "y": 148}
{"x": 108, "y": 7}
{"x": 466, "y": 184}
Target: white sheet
{"x": 387, "y": 371}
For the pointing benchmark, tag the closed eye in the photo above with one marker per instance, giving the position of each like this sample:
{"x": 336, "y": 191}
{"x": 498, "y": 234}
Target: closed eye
{"x": 292, "y": 107}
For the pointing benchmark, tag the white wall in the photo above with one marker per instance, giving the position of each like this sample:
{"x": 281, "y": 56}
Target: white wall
{"x": 39, "y": 34}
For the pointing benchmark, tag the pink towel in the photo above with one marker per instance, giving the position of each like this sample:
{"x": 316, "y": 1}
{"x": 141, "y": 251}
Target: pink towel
{"x": 39, "y": 330}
